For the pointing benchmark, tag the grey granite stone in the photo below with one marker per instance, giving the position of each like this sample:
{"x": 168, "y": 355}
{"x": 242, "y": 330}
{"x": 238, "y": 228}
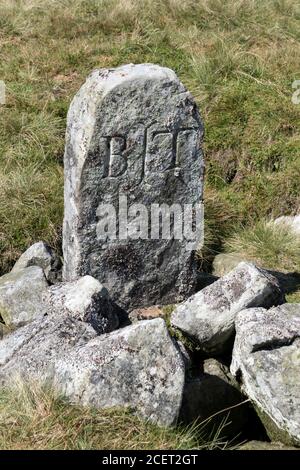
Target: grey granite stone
{"x": 133, "y": 132}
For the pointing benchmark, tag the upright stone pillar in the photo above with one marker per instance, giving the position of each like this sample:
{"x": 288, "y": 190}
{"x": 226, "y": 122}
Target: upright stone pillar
{"x": 133, "y": 181}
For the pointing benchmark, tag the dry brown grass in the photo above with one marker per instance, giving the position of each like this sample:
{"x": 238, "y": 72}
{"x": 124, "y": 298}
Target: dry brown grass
{"x": 36, "y": 418}
{"x": 239, "y": 58}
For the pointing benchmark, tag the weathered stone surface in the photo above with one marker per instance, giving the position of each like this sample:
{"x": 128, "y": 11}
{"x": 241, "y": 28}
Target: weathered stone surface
{"x": 225, "y": 262}
{"x": 138, "y": 366}
{"x": 291, "y": 222}
{"x": 42, "y": 255}
{"x": 209, "y": 315}
{"x": 32, "y": 351}
{"x": 85, "y": 299}
{"x": 21, "y": 296}
{"x": 134, "y": 132}
{"x": 266, "y": 360}
{"x": 213, "y": 393}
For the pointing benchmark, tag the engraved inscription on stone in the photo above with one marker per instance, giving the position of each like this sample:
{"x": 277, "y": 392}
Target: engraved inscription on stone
{"x": 163, "y": 150}
{"x": 115, "y": 163}
{"x": 133, "y": 131}
{"x": 160, "y": 152}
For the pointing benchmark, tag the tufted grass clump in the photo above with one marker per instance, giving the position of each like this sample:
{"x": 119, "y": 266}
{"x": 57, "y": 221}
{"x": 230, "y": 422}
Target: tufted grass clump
{"x": 269, "y": 245}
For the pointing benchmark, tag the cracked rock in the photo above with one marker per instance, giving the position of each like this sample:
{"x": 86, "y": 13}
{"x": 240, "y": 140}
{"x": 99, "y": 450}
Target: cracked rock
{"x": 138, "y": 366}
{"x": 266, "y": 360}
{"x": 209, "y": 315}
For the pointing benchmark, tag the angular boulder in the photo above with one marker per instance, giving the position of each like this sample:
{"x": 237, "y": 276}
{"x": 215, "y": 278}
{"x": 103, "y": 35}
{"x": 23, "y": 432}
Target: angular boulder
{"x": 226, "y": 262}
{"x": 266, "y": 360}
{"x": 209, "y": 315}
{"x": 31, "y": 352}
{"x": 137, "y": 367}
{"x": 86, "y": 300}
{"x": 40, "y": 254}
{"x": 21, "y": 296}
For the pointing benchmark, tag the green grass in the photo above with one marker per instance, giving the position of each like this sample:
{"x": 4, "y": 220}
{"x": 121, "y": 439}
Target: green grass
{"x": 269, "y": 245}
{"x": 36, "y": 418}
{"x": 294, "y": 297}
{"x": 238, "y": 58}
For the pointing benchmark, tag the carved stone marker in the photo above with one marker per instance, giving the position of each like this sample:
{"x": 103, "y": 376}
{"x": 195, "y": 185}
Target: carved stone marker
{"x": 133, "y": 176}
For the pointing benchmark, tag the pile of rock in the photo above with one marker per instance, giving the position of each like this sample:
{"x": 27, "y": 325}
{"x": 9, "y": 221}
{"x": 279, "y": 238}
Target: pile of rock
{"x": 68, "y": 335}
{"x": 73, "y": 336}
{"x": 265, "y": 358}
{"x": 137, "y": 131}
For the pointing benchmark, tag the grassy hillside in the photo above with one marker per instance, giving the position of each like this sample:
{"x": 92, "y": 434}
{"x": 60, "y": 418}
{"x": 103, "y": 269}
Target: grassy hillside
{"x": 38, "y": 419}
{"x": 239, "y": 58}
